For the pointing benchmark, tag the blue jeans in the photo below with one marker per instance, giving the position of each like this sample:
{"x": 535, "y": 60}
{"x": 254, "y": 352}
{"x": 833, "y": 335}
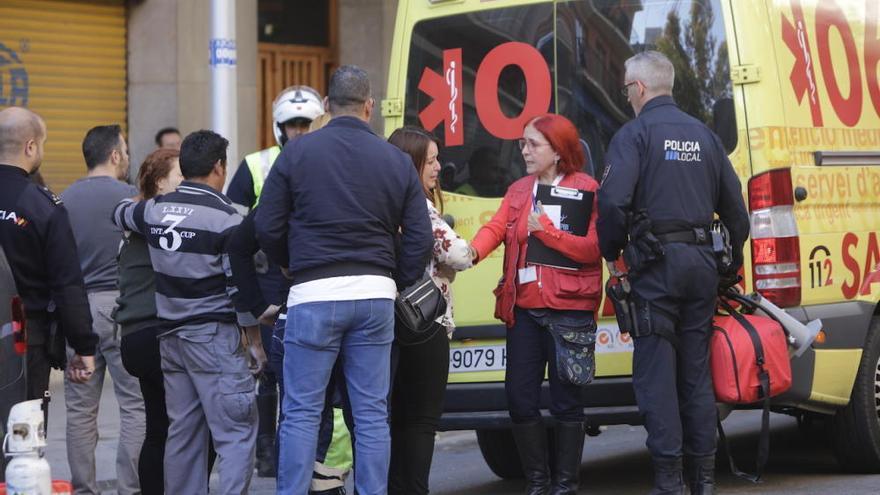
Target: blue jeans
{"x": 275, "y": 354}
{"x": 362, "y": 331}
{"x": 268, "y": 383}
{"x": 336, "y": 390}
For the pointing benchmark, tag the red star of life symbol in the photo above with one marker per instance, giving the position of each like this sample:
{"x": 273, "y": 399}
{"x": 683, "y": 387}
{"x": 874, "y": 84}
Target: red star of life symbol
{"x": 447, "y": 106}
{"x": 803, "y": 75}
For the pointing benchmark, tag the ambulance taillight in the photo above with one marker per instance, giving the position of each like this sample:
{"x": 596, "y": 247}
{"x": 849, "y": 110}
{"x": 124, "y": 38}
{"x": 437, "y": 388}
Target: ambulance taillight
{"x": 776, "y": 258}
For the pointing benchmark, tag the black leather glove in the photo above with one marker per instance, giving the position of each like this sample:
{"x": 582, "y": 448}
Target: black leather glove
{"x": 728, "y": 280}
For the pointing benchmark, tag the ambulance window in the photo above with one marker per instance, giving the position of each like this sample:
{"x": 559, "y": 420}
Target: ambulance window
{"x": 483, "y": 165}
{"x": 595, "y": 37}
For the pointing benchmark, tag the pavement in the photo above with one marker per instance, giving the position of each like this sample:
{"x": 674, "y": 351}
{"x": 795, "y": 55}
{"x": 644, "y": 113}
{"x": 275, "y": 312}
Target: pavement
{"x": 615, "y": 462}
{"x": 108, "y": 438}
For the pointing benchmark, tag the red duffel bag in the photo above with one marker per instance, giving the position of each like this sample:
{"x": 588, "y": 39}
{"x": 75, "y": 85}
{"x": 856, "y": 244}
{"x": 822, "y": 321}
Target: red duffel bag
{"x": 749, "y": 362}
{"x": 746, "y": 351}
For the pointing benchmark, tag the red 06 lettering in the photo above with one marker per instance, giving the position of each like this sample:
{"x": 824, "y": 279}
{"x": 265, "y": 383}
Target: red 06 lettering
{"x": 849, "y": 110}
{"x": 796, "y": 37}
{"x": 872, "y": 51}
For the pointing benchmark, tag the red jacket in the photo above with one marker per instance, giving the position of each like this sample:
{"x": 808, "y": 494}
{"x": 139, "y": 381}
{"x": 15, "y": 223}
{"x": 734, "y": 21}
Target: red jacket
{"x": 555, "y": 288}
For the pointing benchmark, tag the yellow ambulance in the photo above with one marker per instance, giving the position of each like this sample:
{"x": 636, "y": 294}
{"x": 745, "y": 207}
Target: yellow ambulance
{"x": 793, "y": 89}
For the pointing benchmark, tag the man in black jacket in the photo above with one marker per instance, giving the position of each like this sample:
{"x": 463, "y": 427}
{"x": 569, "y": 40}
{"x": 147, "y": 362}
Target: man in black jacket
{"x": 36, "y": 235}
{"x": 339, "y": 198}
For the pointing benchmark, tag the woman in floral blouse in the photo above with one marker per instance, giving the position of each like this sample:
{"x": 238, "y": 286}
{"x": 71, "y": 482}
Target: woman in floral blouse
{"x": 423, "y": 367}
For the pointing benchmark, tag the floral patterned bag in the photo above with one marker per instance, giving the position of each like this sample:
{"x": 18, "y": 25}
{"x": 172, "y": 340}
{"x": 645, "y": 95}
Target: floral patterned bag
{"x": 575, "y": 339}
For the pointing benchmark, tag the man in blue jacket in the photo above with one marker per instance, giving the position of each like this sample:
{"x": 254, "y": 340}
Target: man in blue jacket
{"x": 340, "y": 198}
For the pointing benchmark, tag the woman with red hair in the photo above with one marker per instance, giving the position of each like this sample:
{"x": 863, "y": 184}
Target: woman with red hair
{"x": 543, "y": 306}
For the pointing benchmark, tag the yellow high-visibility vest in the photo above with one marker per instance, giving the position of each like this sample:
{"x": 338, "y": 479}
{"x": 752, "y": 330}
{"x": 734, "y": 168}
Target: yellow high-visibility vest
{"x": 259, "y": 164}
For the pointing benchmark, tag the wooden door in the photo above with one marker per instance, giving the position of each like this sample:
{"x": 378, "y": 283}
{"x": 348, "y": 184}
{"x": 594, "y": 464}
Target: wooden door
{"x": 281, "y": 66}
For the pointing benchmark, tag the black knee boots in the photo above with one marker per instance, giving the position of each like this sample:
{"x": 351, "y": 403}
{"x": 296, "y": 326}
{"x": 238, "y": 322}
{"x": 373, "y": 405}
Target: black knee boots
{"x": 667, "y": 476}
{"x": 569, "y": 447}
{"x": 700, "y": 474}
{"x": 267, "y": 406}
{"x": 531, "y": 443}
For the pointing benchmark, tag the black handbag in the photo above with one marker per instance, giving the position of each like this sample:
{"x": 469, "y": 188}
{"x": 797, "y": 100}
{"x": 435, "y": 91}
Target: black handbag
{"x": 416, "y": 310}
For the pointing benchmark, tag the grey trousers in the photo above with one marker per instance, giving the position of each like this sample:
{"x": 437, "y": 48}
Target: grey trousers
{"x": 83, "y": 399}
{"x": 208, "y": 387}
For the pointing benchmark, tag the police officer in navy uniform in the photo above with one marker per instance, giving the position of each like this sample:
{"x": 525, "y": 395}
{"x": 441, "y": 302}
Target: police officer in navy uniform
{"x": 672, "y": 169}
{"x": 36, "y": 236}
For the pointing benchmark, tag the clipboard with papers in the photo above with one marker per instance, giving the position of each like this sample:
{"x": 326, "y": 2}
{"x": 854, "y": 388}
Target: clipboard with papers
{"x": 569, "y": 210}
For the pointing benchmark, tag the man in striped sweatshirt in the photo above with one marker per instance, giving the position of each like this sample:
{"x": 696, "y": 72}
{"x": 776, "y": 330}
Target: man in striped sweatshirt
{"x": 208, "y": 383}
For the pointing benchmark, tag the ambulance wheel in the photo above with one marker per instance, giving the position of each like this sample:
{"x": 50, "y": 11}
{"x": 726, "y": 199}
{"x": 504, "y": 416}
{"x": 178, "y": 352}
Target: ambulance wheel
{"x": 499, "y": 452}
{"x": 856, "y": 428}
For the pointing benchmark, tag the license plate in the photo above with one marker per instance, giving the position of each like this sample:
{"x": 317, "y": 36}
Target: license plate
{"x": 477, "y": 358}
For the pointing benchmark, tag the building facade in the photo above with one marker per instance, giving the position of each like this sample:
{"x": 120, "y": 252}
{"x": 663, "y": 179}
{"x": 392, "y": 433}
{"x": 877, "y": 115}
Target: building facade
{"x": 144, "y": 64}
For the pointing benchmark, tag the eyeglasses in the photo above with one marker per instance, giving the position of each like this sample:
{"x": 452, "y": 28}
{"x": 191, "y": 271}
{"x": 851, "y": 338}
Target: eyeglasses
{"x": 625, "y": 89}
{"x": 531, "y": 143}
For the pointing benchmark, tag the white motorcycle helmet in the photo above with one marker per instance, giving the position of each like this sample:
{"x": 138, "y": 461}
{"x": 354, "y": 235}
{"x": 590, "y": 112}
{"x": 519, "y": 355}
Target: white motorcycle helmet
{"x": 295, "y": 102}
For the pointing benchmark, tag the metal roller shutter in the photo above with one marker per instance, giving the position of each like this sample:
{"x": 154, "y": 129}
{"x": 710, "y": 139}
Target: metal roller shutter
{"x": 65, "y": 60}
